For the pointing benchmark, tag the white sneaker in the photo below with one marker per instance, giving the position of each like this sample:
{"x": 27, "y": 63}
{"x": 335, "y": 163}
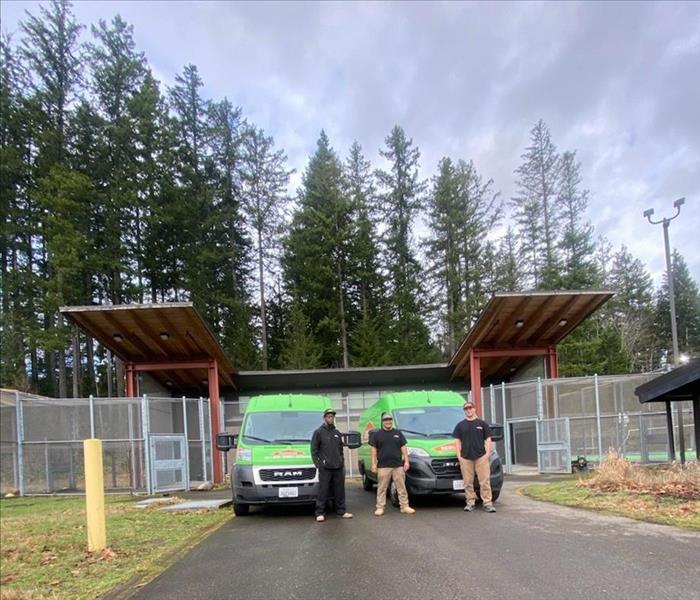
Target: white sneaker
{"x": 320, "y": 519}
{"x": 379, "y": 512}
{"x": 346, "y": 515}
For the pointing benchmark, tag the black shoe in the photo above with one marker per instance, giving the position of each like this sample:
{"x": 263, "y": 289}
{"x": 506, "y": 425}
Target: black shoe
{"x": 489, "y": 508}
{"x": 469, "y": 508}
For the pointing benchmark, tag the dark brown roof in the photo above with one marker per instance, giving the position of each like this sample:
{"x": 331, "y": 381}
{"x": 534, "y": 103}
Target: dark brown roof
{"x": 682, "y": 383}
{"x": 518, "y": 320}
{"x": 145, "y": 333}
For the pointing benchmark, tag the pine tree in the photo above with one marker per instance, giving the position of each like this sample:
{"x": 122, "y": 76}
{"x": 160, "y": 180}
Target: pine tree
{"x": 576, "y": 244}
{"x": 401, "y": 197}
{"x": 263, "y": 203}
{"x": 687, "y": 303}
{"x": 319, "y": 259}
{"x": 300, "y": 349}
{"x": 536, "y": 210}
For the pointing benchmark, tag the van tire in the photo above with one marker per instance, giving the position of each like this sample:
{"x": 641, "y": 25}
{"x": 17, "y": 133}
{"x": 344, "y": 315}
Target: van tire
{"x": 367, "y": 483}
{"x": 241, "y": 510}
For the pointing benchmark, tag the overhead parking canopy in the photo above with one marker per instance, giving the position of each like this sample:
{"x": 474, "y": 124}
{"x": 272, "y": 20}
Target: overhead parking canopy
{"x": 170, "y": 341}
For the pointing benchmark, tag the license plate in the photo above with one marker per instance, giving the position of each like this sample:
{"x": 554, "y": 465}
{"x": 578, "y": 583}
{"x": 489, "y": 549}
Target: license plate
{"x": 289, "y": 492}
{"x": 458, "y": 484}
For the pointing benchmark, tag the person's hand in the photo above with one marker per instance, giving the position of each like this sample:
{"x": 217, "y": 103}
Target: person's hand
{"x": 373, "y": 468}
{"x": 406, "y": 465}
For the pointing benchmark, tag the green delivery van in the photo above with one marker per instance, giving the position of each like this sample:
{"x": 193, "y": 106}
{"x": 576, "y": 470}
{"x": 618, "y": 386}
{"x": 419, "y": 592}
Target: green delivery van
{"x": 427, "y": 420}
{"x": 273, "y": 460}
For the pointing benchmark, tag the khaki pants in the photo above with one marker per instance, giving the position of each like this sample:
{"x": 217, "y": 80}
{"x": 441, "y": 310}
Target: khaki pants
{"x": 384, "y": 477}
{"x": 483, "y": 473}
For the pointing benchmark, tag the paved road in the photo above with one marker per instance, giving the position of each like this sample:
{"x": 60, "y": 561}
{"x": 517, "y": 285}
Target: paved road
{"x": 527, "y": 550}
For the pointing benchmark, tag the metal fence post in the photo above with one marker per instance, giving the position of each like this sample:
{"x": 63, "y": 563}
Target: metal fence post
{"x": 506, "y": 429}
{"x": 492, "y": 404}
{"x": 92, "y": 417}
{"x": 19, "y": 416}
{"x": 597, "y": 417}
{"x": 202, "y": 438}
{"x": 145, "y": 431}
{"x": 540, "y": 409}
{"x": 132, "y": 448}
{"x": 187, "y": 441}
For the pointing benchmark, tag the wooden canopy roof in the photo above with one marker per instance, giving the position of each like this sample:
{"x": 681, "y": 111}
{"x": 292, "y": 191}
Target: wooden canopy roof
{"x": 154, "y": 333}
{"x": 523, "y": 320}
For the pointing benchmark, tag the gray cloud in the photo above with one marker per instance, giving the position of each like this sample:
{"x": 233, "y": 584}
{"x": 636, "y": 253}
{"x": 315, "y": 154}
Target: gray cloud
{"x": 618, "y": 82}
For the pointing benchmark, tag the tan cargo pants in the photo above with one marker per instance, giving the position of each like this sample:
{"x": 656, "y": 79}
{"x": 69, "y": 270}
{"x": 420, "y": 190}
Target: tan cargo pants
{"x": 483, "y": 472}
{"x": 384, "y": 477}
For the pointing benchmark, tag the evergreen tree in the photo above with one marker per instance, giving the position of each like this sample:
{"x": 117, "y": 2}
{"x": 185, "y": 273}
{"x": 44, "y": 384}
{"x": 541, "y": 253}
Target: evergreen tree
{"x": 576, "y": 243}
{"x": 264, "y": 184}
{"x": 300, "y": 349}
{"x": 319, "y": 254}
{"x": 401, "y": 197}
{"x": 536, "y": 209}
{"x": 687, "y": 303}
{"x": 508, "y": 264}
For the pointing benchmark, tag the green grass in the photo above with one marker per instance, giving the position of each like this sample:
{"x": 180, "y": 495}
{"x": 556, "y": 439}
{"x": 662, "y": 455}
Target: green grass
{"x": 644, "y": 507}
{"x": 43, "y": 545}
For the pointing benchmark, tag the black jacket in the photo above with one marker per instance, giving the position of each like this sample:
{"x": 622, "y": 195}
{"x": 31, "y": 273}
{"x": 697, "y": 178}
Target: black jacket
{"x": 327, "y": 448}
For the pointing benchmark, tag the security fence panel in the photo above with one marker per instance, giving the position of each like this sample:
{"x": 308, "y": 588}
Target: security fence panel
{"x": 169, "y": 470}
{"x": 553, "y": 445}
{"x": 10, "y": 451}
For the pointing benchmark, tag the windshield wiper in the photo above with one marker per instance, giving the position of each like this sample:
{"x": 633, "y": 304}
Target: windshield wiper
{"x": 440, "y": 435}
{"x": 292, "y": 440}
{"x": 416, "y": 432}
{"x": 258, "y": 439}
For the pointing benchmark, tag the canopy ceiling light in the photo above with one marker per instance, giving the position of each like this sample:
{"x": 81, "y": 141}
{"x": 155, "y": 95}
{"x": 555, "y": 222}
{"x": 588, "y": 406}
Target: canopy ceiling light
{"x": 519, "y": 323}
{"x": 164, "y": 335}
{"x": 563, "y": 322}
{"x": 118, "y": 337}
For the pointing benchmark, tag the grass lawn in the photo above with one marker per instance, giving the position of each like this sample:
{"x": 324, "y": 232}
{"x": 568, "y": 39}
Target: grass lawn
{"x": 645, "y": 507}
{"x": 43, "y": 545}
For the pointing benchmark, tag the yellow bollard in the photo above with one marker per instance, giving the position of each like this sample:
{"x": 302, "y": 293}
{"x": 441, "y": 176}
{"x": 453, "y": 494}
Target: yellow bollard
{"x": 94, "y": 495}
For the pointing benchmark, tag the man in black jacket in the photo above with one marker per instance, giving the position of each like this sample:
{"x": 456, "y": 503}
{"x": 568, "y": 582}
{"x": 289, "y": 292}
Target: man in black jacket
{"x": 327, "y": 454}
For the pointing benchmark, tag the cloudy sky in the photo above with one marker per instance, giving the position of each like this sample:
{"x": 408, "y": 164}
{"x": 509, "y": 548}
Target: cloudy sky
{"x": 617, "y": 82}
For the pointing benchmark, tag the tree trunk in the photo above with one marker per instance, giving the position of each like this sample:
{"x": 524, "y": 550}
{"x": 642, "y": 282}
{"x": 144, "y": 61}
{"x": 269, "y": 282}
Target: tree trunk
{"x": 62, "y": 379}
{"x": 262, "y": 302}
{"x": 120, "y": 377}
{"x": 76, "y": 363}
{"x": 91, "y": 365}
{"x": 343, "y": 328}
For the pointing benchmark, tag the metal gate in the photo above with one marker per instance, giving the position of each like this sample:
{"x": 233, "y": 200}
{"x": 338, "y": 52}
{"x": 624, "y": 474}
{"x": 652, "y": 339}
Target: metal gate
{"x": 553, "y": 445}
{"x": 169, "y": 463}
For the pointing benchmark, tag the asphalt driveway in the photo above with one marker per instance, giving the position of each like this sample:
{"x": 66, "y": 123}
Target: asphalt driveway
{"x": 527, "y": 550}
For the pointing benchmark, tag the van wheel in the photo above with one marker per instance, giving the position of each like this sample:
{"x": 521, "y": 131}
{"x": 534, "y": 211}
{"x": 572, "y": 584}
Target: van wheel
{"x": 367, "y": 483}
{"x": 394, "y": 494}
{"x": 241, "y": 510}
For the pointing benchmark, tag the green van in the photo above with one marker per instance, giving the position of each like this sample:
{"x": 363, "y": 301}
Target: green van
{"x": 427, "y": 419}
{"x": 273, "y": 463}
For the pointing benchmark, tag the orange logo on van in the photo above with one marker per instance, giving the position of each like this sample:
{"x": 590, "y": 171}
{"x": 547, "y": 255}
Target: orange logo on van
{"x": 365, "y": 434}
{"x": 287, "y": 453}
{"x": 446, "y": 448}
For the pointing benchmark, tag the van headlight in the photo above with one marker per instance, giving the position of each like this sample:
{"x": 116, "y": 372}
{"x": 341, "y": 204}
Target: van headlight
{"x": 417, "y": 452}
{"x": 244, "y": 454}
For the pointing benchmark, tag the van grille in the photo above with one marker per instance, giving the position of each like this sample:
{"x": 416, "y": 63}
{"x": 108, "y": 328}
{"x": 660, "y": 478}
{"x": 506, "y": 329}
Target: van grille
{"x": 290, "y": 474}
{"x": 446, "y": 467}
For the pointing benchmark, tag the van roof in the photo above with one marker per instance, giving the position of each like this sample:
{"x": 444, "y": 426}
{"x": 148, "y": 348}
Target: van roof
{"x": 288, "y": 402}
{"x": 421, "y": 398}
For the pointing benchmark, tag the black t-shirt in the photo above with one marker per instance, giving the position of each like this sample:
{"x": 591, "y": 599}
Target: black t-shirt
{"x": 388, "y": 445}
{"x": 472, "y": 434}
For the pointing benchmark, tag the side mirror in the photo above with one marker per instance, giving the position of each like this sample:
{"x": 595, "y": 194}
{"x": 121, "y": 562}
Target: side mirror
{"x": 496, "y": 432}
{"x": 226, "y": 441}
{"x": 352, "y": 439}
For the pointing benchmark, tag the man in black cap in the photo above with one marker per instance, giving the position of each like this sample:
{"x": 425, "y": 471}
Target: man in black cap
{"x": 327, "y": 454}
{"x": 474, "y": 447}
{"x": 390, "y": 461}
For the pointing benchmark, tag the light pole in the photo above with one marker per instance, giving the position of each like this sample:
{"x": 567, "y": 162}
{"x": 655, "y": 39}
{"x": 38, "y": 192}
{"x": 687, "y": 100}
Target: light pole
{"x": 672, "y": 301}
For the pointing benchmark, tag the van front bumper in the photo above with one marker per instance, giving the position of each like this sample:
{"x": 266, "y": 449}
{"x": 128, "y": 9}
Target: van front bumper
{"x": 247, "y": 491}
{"x": 437, "y": 476}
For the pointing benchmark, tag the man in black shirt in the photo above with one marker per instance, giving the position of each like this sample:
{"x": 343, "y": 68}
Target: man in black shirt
{"x": 390, "y": 461}
{"x": 474, "y": 446}
{"x": 327, "y": 454}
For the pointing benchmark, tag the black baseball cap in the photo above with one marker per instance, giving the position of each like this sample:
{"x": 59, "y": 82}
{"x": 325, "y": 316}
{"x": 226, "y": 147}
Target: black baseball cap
{"x": 328, "y": 411}
{"x": 387, "y": 416}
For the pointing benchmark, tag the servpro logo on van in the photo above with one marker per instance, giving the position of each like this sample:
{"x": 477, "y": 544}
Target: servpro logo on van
{"x": 445, "y": 448}
{"x": 287, "y": 453}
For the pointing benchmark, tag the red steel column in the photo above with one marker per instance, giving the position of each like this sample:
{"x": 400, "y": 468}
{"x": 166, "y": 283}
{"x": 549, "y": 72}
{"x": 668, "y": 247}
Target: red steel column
{"x": 214, "y": 417}
{"x": 553, "y": 363}
{"x": 131, "y": 390}
{"x": 475, "y": 380}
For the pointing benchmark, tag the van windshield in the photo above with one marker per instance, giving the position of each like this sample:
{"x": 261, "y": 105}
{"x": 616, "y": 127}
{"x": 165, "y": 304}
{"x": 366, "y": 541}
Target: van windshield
{"x": 281, "y": 427}
{"x": 428, "y": 421}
